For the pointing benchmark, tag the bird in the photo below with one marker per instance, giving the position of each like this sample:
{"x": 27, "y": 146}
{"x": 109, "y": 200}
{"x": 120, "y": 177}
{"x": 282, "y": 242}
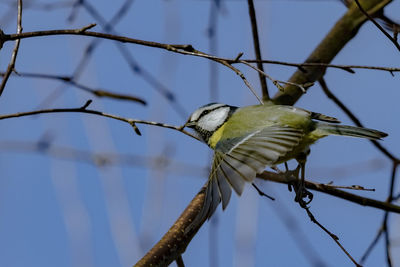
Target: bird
{"x": 248, "y": 139}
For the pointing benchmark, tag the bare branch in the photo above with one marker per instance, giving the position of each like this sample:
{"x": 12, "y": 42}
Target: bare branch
{"x": 257, "y": 50}
{"x": 83, "y": 109}
{"x": 134, "y": 66}
{"x": 348, "y": 68}
{"x": 394, "y": 41}
{"x": 303, "y": 87}
{"x": 343, "y": 31}
{"x": 175, "y": 241}
{"x": 14, "y": 54}
{"x": 189, "y": 50}
{"x": 69, "y": 80}
{"x": 371, "y": 246}
{"x": 356, "y": 121}
{"x": 333, "y": 236}
{"x": 384, "y": 229}
{"x": 241, "y": 75}
{"x": 261, "y": 193}
{"x": 327, "y": 189}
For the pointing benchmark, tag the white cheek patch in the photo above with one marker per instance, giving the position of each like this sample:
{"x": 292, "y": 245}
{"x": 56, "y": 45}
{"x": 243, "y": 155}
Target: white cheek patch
{"x": 195, "y": 116}
{"x": 214, "y": 119}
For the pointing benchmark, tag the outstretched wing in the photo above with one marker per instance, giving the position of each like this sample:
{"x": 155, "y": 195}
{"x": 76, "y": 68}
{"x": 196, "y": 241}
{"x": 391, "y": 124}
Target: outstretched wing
{"x": 238, "y": 160}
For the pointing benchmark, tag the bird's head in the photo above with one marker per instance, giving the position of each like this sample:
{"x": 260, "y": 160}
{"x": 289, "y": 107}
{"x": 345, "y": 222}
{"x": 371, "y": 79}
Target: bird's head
{"x": 207, "y": 119}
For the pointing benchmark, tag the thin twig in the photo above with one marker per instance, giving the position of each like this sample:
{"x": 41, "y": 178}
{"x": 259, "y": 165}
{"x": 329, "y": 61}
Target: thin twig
{"x": 387, "y": 242}
{"x": 303, "y": 87}
{"x": 177, "y": 48}
{"x": 333, "y": 236}
{"x": 351, "y": 187}
{"x": 69, "y": 80}
{"x": 371, "y": 246}
{"x": 386, "y": 217}
{"x": 377, "y": 25}
{"x": 384, "y": 229}
{"x": 257, "y": 50}
{"x": 300, "y": 238}
{"x": 261, "y": 193}
{"x": 241, "y": 75}
{"x": 356, "y": 121}
{"x": 181, "y": 49}
{"x": 14, "y": 54}
{"x": 348, "y": 68}
{"x": 84, "y": 109}
{"x": 134, "y": 66}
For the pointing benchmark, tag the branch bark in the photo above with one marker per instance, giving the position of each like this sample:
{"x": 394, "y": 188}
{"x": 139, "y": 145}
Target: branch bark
{"x": 174, "y": 242}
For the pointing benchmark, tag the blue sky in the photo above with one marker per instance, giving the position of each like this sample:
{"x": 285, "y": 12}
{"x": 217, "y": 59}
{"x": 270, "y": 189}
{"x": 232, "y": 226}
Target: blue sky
{"x": 71, "y": 213}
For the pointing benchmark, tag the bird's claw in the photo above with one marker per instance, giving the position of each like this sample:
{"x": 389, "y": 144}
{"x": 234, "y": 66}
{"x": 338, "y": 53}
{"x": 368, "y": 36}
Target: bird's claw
{"x": 303, "y": 196}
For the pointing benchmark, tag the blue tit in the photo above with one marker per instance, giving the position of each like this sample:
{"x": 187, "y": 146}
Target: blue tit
{"x": 248, "y": 139}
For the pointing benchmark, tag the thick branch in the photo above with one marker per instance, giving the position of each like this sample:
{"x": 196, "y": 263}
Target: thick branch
{"x": 343, "y": 31}
{"x": 175, "y": 241}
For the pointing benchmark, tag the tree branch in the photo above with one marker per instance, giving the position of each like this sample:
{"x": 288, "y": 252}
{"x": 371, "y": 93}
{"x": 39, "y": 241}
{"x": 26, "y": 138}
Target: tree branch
{"x": 70, "y": 80}
{"x": 331, "y": 190}
{"x": 257, "y": 50}
{"x": 394, "y": 41}
{"x": 353, "y": 117}
{"x": 348, "y": 68}
{"x": 84, "y": 109}
{"x": 333, "y": 236}
{"x": 174, "y": 242}
{"x": 14, "y": 54}
{"x": 343, "y": 31}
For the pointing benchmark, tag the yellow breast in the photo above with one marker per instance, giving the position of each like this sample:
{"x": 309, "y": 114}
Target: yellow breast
{"x": 214, "y": 139}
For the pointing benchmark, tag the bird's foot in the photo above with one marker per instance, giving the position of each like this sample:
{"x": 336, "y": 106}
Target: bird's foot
{"x": 303, "y": 196}
{"x": 290, "y": 174}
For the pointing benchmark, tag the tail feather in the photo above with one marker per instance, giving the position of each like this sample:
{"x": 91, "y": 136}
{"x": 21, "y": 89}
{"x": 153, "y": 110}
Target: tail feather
{"x": 327, "y": 129}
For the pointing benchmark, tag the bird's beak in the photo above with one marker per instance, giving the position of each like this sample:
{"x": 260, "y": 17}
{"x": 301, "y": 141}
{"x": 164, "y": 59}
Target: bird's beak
{"x": 187, "y": 124}
{"x": 190, "y": 124}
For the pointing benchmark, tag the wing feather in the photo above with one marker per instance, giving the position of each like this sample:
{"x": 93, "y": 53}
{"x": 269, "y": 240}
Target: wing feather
{"x": 238, "y": 160}
{"x": 238, "y": 170}
{"x": 224, "y": 188}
